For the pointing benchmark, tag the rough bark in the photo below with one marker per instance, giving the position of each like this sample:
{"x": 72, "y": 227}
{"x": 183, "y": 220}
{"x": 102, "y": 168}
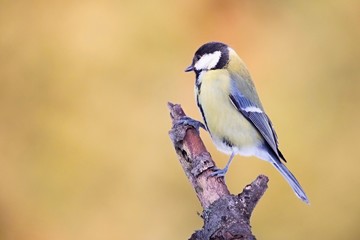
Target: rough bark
{"x": 226, "y": 216}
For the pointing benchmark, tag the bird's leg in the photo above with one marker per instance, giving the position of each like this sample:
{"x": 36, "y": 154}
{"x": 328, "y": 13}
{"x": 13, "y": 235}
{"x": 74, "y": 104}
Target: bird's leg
{"x": 190, "y": 122}
{"x": 221, "y": 172}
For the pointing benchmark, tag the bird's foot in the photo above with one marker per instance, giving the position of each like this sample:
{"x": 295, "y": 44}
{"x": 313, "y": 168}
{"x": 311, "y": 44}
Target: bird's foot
{"x": 218, "y": 172}
{"x": 190, "y": 122}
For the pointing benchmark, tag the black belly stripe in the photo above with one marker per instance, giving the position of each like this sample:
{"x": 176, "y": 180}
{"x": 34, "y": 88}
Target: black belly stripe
{"x": 227, "y": 142}
{"x": 202, "y": 113}
{"x": 198, "y": 88}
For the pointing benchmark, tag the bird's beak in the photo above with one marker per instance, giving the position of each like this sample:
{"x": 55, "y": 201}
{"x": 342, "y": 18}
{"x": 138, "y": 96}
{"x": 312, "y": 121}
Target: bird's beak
{"x": 189, "y": 68}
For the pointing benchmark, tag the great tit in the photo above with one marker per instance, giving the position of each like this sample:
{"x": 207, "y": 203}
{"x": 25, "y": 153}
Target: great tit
{"x": 232, "y": 111}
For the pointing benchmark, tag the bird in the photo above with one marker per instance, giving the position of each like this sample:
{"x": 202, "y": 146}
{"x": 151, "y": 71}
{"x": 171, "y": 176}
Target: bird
{"x": 232, "y": 111}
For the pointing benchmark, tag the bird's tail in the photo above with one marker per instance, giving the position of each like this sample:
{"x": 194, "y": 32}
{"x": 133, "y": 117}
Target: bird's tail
{"x": 290, "y": 178}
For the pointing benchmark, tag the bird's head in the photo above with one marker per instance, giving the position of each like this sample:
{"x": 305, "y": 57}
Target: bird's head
{"x": 210, "y": 56}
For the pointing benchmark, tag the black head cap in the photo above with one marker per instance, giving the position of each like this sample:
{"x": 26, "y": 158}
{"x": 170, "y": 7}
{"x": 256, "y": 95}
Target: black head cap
{"x": 210, "y": 56}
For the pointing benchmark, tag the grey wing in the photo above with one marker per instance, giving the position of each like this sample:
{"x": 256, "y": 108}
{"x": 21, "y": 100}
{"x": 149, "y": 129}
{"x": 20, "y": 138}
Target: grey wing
{"x": 257, "y": 117}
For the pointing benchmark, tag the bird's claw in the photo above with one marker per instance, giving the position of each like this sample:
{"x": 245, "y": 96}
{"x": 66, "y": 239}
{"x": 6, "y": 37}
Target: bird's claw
{"x": 190, "y": 122}
{"x": 218, "y": 172}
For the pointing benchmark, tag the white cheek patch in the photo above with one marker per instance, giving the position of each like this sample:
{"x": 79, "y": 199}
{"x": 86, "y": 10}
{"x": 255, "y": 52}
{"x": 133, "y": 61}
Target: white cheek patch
{"x": 208, "y": 61}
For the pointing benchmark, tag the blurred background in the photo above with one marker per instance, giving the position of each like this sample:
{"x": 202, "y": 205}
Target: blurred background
{"x": 84, "y": 146}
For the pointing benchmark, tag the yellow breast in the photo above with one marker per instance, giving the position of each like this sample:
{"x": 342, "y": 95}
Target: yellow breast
{"x": 223, "y": 120}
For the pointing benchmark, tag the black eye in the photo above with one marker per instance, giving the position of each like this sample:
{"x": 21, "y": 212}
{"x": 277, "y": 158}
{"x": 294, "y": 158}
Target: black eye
{"x": 196, "y": 58}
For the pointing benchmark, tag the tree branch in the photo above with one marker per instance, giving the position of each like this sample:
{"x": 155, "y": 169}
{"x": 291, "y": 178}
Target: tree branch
{"x": 226, "y": 216}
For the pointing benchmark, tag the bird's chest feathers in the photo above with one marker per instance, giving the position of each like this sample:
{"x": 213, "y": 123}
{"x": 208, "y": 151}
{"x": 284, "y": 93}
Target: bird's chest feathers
{"x": 213, "y": 90}
{"x": 224, "y": 121}
{"x": 213, "y": 98}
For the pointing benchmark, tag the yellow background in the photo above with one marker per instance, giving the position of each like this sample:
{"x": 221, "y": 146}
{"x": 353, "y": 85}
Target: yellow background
{"x": 84, "y": 146}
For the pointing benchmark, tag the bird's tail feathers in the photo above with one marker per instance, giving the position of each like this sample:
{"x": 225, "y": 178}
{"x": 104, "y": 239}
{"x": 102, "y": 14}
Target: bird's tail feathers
{"x": 290, "y": 178}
